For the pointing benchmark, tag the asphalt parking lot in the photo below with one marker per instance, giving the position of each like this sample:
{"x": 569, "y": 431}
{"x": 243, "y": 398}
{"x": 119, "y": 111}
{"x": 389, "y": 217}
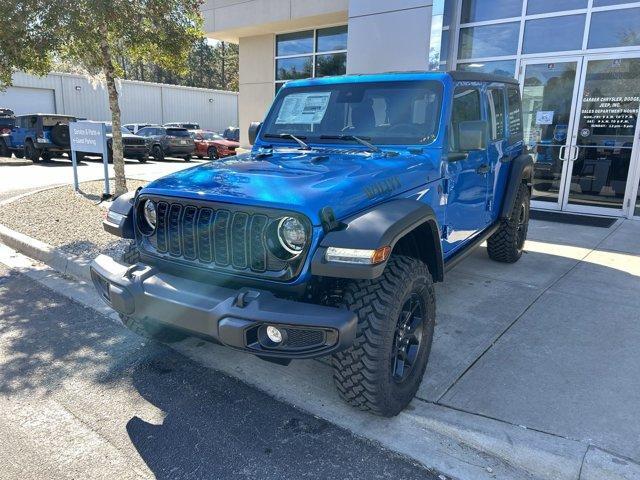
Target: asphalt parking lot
{"x": 19, "y": 176}
{"x": 81, "y": 397}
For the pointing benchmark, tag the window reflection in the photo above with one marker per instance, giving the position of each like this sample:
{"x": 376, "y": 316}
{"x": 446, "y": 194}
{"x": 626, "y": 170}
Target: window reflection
{"x": 506, "y": 68}
{"x": 332, "y": 39}
{"x": 482, "y": 10}
{"x": 489, "y": 41}
{"x": 615, "y": 28}
{"x": 293, "y": 68}
{"x": 606, "y": 3}
{"x": 554, "y": 34}
{"x": 547, "y": 6}
{"x": 294, "y": 43}
{"x": 331, "y": 64}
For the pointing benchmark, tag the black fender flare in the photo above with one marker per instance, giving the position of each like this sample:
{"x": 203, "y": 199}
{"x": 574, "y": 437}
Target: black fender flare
{"x": 380, "y": 226}
{"x": 121, "y": 224}
{"x": 521, "y": 170}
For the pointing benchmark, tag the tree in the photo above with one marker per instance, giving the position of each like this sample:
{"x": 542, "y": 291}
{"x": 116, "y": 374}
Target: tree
{"x": 101, "y": 36}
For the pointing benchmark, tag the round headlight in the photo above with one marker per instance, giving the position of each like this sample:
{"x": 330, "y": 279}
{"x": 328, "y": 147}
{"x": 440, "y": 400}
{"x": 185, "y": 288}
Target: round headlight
{"x": 292, "y": 235}
{"x": 150, "y": 215}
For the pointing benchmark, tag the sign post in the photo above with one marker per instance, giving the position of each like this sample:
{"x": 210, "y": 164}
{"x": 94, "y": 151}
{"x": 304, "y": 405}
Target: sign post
{"x": 89, "y": 137}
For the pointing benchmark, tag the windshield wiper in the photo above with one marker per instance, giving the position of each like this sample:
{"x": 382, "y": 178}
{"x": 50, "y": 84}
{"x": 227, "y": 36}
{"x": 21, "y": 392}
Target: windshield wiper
{"x": 303, "y": 145}
{"x": 361, "y": 141}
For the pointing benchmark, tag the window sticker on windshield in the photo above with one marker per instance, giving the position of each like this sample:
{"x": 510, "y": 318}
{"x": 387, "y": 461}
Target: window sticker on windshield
{"x": 303, "y": 108}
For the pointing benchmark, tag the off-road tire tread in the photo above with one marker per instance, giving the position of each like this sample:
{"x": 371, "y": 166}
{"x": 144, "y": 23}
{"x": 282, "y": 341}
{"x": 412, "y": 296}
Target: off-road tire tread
{"x": 357, "y": 374}
{"x": 502, "y": 245}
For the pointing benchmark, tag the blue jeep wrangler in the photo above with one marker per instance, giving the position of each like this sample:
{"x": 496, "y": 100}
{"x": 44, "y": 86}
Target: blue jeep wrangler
{"x": 37, "y": 136}
{"x": 359, "y": 194}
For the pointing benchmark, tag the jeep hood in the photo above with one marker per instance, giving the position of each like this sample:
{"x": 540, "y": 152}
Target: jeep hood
{"x": 303, "y": 181}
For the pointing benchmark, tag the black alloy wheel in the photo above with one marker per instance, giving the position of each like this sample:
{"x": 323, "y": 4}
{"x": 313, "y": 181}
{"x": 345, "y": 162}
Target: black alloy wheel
{"x": 408, "y": 337}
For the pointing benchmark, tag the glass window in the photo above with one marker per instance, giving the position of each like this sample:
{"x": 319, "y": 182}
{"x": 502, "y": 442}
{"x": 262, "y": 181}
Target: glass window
{"x": 384, "y": 113}
{"x": 496, "y": 111}
{"x": 615, "y": 28}
{"x": 547, "y": 6}
{"x": 448, "y": 12}
{"x": 332, "y": 39}
{"x": 466, "y": 108}
{"x": 292, "y": 68}
{"x": 637, "y": 213}
{"x": 483, "y": 10}
{"x": 294, "y": 43}
{"x": 444, "y": 47}
{"x": 515, "y": 113}
{"x": 506, "y": 68}
{"x": 331, "y": 64}
{"x": 489, "y": 41}
{"x": 554, "y": 34}
{"x": 606, "y": 3}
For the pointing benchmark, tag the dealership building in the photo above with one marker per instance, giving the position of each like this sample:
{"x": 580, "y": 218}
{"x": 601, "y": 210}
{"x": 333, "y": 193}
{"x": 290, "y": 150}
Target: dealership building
{"x": 578, "y": 63}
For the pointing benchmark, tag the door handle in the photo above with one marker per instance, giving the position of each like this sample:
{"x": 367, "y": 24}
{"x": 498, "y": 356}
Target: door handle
{"x": 575, "y": 156}
{"x": 563, "y": 150}
{"x": 483, "y": 169}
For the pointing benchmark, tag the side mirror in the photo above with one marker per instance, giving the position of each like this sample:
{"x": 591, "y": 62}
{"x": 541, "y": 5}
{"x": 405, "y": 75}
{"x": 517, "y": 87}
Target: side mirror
{"x": 254, "y": 129}
{"x": 473, "y": 135}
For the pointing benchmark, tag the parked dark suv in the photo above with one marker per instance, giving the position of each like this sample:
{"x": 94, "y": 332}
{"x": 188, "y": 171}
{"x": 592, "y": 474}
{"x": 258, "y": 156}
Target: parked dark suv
{"x": 134, "y": 146}
{"x": 38, "y": 136}
{"x": 168, "y": 141}
{"x": 187, "y": 125}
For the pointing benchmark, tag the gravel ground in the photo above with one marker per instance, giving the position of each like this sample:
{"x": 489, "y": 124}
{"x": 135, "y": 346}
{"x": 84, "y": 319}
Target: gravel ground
{"x": 64, "y": 219}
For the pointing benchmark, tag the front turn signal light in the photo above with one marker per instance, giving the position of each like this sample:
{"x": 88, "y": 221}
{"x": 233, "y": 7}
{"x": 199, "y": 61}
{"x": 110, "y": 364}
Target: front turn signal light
{"x": 357, "y": 256}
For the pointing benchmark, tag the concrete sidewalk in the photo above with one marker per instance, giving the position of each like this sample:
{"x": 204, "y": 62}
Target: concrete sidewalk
{"x": 533, "y": 372}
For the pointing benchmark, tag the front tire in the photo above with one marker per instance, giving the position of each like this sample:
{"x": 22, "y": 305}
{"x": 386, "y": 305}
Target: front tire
{"x": 507, "y": 244}
{"x": 212, "y": 153}
{"x": 382, "y": 371}
{"x": 157, "y": 153}
{"x": 130, "y": 255}
{"x": 187, "y": 158}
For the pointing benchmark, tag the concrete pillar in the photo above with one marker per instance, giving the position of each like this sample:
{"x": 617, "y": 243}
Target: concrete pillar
{"x": 257, "y": 88}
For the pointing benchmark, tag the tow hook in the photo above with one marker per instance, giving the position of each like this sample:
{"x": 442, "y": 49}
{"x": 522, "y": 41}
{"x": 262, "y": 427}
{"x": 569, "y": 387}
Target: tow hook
{"x": 244, "y": 298}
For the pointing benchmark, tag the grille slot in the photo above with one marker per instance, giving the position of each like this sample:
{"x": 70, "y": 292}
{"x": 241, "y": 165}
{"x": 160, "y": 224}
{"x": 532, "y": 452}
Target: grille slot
{"x": 161, "y": 228}
{"x": 205, "y": 235}
{"x": 301, "y": 338}
{"x": 221, "y": 237}
{"x": 189, "y": 233}
{"x": 174, "y": 229}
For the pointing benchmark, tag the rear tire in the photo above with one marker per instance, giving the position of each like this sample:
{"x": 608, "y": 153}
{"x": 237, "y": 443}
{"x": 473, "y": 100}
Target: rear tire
{"x": 4, "y": 150}
{"x": 143, "y": 159}
{"x": 18, "y": 154}
{"x": 157, "y": 153}
{"x": 375, "y": 374}
{"x": 31, "y": 152}
{"x": 507, "y": 244}
{"x": 46, "y": 156}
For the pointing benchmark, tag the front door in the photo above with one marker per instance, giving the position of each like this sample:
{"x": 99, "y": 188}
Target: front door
{"x": 581, "y": 126}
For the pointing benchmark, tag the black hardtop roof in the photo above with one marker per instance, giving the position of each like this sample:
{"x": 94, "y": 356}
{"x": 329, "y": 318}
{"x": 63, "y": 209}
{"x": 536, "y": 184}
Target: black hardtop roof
{"x": 461, "y": 76}
{"x": 46, "y": 115}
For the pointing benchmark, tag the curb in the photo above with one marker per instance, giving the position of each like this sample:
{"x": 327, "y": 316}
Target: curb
{"x": 51, "y": 256}
{"x": 461, "y": 444}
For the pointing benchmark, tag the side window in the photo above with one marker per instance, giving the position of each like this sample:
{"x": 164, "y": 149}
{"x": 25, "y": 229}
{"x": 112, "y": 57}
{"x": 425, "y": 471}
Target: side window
{"x": 515, "y": 114}
{"x": 466, "y": 108}
{"x": 496, "y": 113}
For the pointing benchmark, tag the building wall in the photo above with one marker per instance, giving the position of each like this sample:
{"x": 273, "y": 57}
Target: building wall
{"x": 139, "y": 101}
{"x": 231, "y": 20}
{"x": 388, "y": 36}
{"x": 257, "y": 69}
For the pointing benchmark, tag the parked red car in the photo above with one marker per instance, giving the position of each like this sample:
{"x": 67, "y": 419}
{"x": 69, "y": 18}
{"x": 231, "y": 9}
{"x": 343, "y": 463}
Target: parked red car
{"x": 210, "y": 144}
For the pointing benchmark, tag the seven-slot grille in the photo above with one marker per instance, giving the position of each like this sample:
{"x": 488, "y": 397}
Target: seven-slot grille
{"x": 224, "y": 238}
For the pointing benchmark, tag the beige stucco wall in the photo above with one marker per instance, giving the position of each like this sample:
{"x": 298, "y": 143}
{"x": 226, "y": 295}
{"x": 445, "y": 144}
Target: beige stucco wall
{"x": 231, "y": 20}
{"x": 257, "y": 87}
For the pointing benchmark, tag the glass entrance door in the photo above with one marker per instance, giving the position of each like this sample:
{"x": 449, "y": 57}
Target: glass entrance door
{"x": 580, "y": 124}
{"x": 549, "y": 89}
{"x": 603, "y": 154}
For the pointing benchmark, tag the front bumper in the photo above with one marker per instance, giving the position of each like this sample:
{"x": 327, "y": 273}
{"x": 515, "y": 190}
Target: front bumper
{"x": 236, "y": 318}
{"x": 135, "y": 150}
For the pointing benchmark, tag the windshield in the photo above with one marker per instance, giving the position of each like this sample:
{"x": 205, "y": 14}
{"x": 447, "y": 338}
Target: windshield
{"x": 404, "y": 112}
{"x": 211, "y": 136}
